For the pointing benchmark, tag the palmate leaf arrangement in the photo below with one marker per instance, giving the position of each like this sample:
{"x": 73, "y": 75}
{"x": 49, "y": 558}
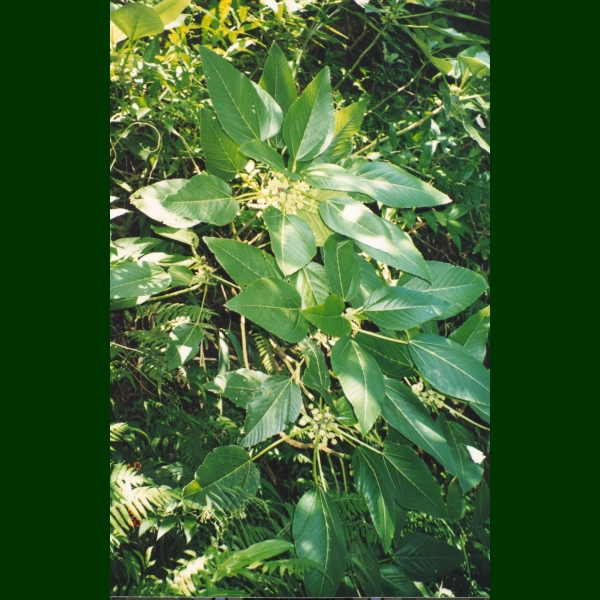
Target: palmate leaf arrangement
{"x": 315, "y": 196}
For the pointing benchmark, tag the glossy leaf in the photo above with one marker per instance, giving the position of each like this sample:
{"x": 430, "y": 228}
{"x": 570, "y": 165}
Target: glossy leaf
{"x": 262, "y": 152}
{"x": 224, "y": 469}
{"x": 393, "y": 358}
{"x": 369, "y": 282}
{"x": 274, "y": 305}
{"x": 169, "y": 10}
{"x": 333, "y": 177}
{"x": 405, "y": 413}
{"x": 318, "y": 535}
{"x": 396, "y": 583}
{"x": 136, "y": 20}
{"x": 149, "y": 200}
{"x": 472, "y": 335}
{"x": 183, "y": 344}
{"x": 277, "y": 79}
{"x": 135, "y": 279}
{"x": 416, "y": 488}
{"x": 365, "y": 567}
{"x": 205, "y": 198}
{"x": 398, "y": 309}
{"x": 456, "y": 502}
{"x": 223, "y": 156}
{"x": 312, "y": 284}
{"x": 270, "y": 409}
{"x": 309, "y": 124}
{"x": 361, "y": 380}
{"x": 179, "y": 235}
{"x": 270, "y": 116}
{"x": 327, "y": 317}
{"x": 292, "y": 240}
{"x": 310, "y": 214}
{"x": 342, "y": 266}
{"x": 425, "y": 558}
{"x": 374, "y": 483}
{"x": 316, "y": 375}
{"x": 450, "y": 368}
{"x": 239, "y": 386}
{"x": 455, "y": 285}
{"x": 254, "y": 554}
{"x": 243, "y": 263}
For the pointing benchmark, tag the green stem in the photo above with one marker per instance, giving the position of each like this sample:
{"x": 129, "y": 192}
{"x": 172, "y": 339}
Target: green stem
{"x": 178, "y": 293}
{"x": 344, "y": 475}
{"x": 315, "y": 454}
{"x": 279, "y": 441}
{"x": 383, "y": 337}
{"x": 459, "y": 414}
{"x": 351, "y": 437}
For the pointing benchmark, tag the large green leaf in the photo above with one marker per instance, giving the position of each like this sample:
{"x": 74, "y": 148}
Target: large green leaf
{"x": 309, "y": 124}
{"x": 292, "y": 240}
{"x": 327, "y": 316}
{"x": 239, "y": 386}
{"x": 318, "y": 535}
{"x": 455, "y": 502}
{"x": 481, "y": 514}
{"x": 472, "y": 335}
{"x": 135, "y": 279}
{"x": 257, "y": 553}
{"x": 243, "y": 263}
{"x": 277, "y": 79}
{"x": 361, "y": 379}
{"x": 348, "y": 121}
{"x": 204, "y": 197}
{"x": 457, "y": 286}
{"x": 333, "y": 177}
{"x": 233, "y": 97}
{"x": 374, "y": 483}
{"x": 342, "y": 266}
{"x": 149, "y": 200}
{"x": 316, "y": 375}
{"x": 416, "y": 488}
{"x": 262, "y": 152}
{"x": 393, "y": 186}
{"x": 183, "y": 344}
{"x": 270, "y": 409}
{"x": 270, "y": 116}
{"x": 223, "y": 156}
{"x": 398, "y": 309}
{"x": 224, "y": 469}
{"x": 468, "y": 472}
{"x": 369, "y": 282}
{"x": 393, "y": 358}
{"x": 424, "y": 558}
{"x": 396, "y": 583}
{"x": 136, "y": 20}
{"x": 405, "y": 413}
{"x": 312, "y": 284}
{"x": 169, "y": 10}
{"x": 274, "y": 305}
{"x": 450, "y": 368}
{"x": 366, "y": 568}
{"x": 375, "y": 236}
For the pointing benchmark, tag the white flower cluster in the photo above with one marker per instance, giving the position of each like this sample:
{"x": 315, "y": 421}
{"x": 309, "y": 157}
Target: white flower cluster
{"x": 284, "y": 194}
{"x": 320, "y": 422}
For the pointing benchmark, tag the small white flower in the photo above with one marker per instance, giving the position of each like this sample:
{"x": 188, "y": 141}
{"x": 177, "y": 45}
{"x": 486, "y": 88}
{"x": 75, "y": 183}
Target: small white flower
{"x": 476, "y": 455}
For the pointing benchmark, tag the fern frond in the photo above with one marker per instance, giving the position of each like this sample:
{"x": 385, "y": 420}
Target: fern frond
{"x": 265, "y": 352}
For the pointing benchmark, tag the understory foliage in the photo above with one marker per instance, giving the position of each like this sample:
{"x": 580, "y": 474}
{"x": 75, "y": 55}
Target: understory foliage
{"x": 299, "y": 274}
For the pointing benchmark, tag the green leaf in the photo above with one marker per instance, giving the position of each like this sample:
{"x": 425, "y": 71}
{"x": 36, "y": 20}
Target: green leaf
{"x": 333, "y": 177}
{"x": 456, "y": 502}
{"x": 270, "y": 409}
{"x": 316, "y": 375}
{"x": 393, "y": 186}
{"x": 398, "y": 309}
{"x": 223, "y": 156}
{"x": 468, "y": 472}
{"x": 369, "y": 282}
{"x": 348, "y": 122}
{"x": 260, "y": 151}
{"x": 476, "y": 59}
{"x": 405, "y": 413}
{"x": 393, "y": 358}
{"x": 318, "y": 535}
{"x": 149, "y": 200}
{"x": 472, "y": 335}
{"x": 375, "y": 236}
{"x": 416, "y": 488}
{"x": 374, "y": 483}
{"x": 257, "y": 553}
{"x": 274, "y": 305}
{"x": 136, "y": 20}
{"x": 169, "y": 10}
{"x": 204, "y": 197}
{"x": 481, "y": 514}
{"x": 277, "y": 79}
{"x": 366, "y": 568}
{"x": 455, "y": 285}
{"x": 190, "y": 527}
{"x": 225, "y": 468}
{"x": 239, "y": 386}
{"x": 233, "y": 97}
{"x": 179, "y": 235}
{"x": 425, "y": 558}
{"x": 269, "y": 114}
{"x": 180, "y": 276}
{"x": 343, "y": 411}
{"x": 183, "y": 344}
{"x": 395, "y": 583}
{"x": 134, "y": 279}
{"x": 361, "y": 380}
{"x": 450, "y": 368}
{"x": 327, "y": 317}
{"x": 309, "y": 124}
{"x": 243, "y": 263}
{"x": 342, "y": 266}
{"x": 310, "y": 214}
{"x": 292, "y": 240}
{"x": 166, "y": 525}
{"x": 312, "y": 284}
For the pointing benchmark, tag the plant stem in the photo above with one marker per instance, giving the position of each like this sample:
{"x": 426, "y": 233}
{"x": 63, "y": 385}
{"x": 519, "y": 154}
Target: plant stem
{"x": 244, "y": 348}
{"x": 383, "y": 337}
{"x": 459, "y": 414}
{"x": 279, "y": 441}
{"x": 178, "y": 293}
{"x": 347, "y": 435}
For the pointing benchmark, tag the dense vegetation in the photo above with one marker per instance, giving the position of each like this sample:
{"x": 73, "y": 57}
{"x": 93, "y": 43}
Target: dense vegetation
{"x": 299, "y": 254}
